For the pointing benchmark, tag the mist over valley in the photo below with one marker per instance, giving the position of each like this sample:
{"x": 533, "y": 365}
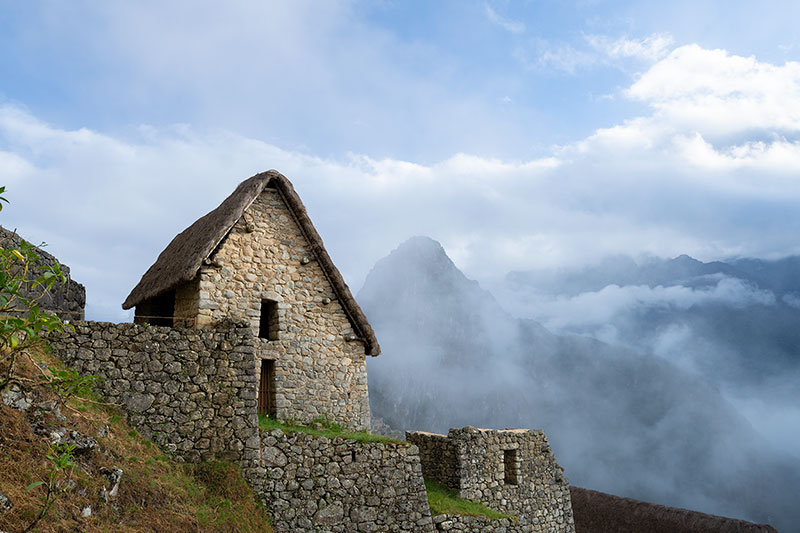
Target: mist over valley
{"x": 624, "y": 416}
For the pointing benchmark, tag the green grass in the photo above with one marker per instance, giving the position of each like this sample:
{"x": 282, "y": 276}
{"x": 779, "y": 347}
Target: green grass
{"x": 155, "y": 494}
{"x": 321, "y": 428}
{"x": 445, "y": 501}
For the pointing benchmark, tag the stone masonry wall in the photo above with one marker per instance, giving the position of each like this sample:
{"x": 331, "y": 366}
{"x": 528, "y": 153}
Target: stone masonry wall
{"x": 479, "y": 524}
{"x": 192, "y": 391}
{"x": 324, "y": 484}
{"x": 438, "y": 456}
{"x": 65, "y": 300}
{"x": 320, "y": 368}
{"x": 513, "y": 471}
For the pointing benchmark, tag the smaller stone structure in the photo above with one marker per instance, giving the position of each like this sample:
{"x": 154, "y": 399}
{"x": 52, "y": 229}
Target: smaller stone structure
{"x": 513, "y": 471}
{"x": 68, "y": 300}
{"x": 324, "y": 484}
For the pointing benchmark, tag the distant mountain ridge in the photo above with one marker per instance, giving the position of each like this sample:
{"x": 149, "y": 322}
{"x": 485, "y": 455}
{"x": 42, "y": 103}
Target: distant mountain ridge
{"x": 781, "y": 276}
{"x": 621, "y": 422}
{"x": 741, "y": 330}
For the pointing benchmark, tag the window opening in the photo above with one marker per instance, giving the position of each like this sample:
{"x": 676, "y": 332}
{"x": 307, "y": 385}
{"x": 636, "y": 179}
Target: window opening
{"x": 157, "y": 311}
{"x": 268, "y": 321}
{"x": 266, "y": 388}
{"x": 510, "y": 467}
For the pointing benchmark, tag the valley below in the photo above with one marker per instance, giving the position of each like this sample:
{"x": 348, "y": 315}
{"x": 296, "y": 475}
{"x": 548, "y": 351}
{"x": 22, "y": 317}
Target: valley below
{"x": 629, "y": 409}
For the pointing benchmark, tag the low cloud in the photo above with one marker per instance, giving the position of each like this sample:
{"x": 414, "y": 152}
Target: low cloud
{"x": 596, "y": 309}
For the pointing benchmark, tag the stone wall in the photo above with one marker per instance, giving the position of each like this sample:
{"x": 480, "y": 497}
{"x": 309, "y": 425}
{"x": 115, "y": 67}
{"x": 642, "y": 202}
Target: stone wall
{"x": 192, "y": 391}
{"x": 439, "y": 458}
{"x": 324, "y": 484}
{"x": 478, "y": 524}
{"x": 65, "y": 300}
{"x": 320, "y": 368}
{"x": 512, "y": 471}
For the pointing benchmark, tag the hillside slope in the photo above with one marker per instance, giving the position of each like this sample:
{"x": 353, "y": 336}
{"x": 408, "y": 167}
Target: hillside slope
{"x": 113, "y": 479}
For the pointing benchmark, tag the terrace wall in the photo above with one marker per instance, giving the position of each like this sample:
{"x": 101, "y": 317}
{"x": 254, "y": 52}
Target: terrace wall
{"x": 338, "y": 485}
{"x": 193, "y": 391}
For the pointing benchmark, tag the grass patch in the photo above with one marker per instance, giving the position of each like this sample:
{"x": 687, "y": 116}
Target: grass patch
{"x": 320, "y": 427}
{"x": 445, "y": 501}
{"x": 155, "y": 493}
{"x": 224, "y": 490}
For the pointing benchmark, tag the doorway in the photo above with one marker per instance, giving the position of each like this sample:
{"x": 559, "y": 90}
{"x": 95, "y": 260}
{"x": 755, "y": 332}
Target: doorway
{"x": 266, "y": 388}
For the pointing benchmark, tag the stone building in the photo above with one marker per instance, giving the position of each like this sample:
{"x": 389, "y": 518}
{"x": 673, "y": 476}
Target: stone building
{"x": 66, "y": 300}
{"x": 513, "y": 471}
{"x": 258, "y": 258}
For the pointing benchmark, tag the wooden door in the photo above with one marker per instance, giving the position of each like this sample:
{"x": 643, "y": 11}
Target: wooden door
{"x": 266, "y": 388}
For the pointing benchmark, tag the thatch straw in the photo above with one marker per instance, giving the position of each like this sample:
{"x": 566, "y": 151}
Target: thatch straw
{"x": 183, "y": 257}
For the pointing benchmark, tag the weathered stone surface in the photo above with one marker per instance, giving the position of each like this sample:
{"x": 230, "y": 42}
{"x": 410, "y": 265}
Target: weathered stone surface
{"x": 65, "y": 300}
{"x": 340, "y": 485}
{"x": 272, "y": 456}
{"x": 139, "y": 403}
{"x": 320, "y": 371}
{"x": 113, "y": 477}
{"x": 195, "y": 416}
{"x": 15, "y": 397}
{"x": 512, "y": 471}
{"x": 329, "y": 515}
{"x": 5, "y": 503}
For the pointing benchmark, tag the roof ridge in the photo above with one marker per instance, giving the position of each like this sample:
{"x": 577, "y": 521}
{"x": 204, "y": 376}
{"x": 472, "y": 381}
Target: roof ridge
{"x": 184, "y": 255}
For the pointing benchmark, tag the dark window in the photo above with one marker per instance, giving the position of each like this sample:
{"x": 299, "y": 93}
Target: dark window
{"x": 266, "y": 388}
{"x": 268, "y": 323}
{"x": 510, "y": 467}
{"x": 157, "y": 311}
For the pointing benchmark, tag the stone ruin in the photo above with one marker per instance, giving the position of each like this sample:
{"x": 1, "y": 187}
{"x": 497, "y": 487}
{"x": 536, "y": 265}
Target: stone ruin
{"x": 244, "y": 313}
{"x": 67, "y": 300}
{"x": 513, "y": 471}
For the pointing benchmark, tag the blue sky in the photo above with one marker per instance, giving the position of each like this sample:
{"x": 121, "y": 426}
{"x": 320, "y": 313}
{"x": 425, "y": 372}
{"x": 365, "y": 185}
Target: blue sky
{"x": 519, "y": 134}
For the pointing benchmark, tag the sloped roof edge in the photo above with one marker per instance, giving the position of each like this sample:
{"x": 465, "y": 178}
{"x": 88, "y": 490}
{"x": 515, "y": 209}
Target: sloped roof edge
{"x": 598, "y": 512}
{"x": 184, "y": 255}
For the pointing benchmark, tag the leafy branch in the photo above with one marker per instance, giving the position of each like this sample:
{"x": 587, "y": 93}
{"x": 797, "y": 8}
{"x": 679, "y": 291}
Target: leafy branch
{"x": 23, "y": 284}
{"x": 58, "y": 480}
{"x": 68, "y": 384}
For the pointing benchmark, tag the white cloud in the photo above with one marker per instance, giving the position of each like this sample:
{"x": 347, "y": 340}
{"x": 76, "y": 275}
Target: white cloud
{"x": 650, "y": 48}
{"x": 596, "y": 309}
{"x": 303, "y": 75}
{"x": 653, "y": 184}
{"x": 561, "y": 56}
{"x": 602, "y": 51}
{"x": 716, "y": 93}
{"x": 507, "y": 24}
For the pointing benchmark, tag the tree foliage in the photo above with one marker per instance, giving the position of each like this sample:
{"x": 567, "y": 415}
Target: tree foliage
{"x": 23, "y": 284}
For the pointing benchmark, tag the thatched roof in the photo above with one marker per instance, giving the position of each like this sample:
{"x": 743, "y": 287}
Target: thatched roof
{"x": 597, "y": 512}
{"x": 182, "y": 258}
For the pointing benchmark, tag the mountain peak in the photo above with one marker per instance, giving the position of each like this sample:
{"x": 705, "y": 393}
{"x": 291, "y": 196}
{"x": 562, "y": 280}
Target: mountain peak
{"x": 420, "y": 244}
{"x": 420, "y": 269}
{"x": 419, "y": 255}
{"x": 686, "y": 259}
